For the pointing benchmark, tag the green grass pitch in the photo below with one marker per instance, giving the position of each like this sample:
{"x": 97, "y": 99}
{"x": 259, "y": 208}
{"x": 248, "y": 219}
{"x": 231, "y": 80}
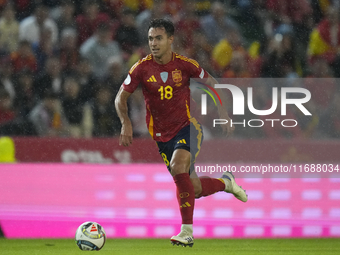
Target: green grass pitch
{"x": 318, "y": 246}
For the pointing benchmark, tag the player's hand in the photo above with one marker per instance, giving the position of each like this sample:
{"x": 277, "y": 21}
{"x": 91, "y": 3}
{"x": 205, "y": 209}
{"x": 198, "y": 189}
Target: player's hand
{"x": 227, "y": 129}
{"x": 125, "y": 137}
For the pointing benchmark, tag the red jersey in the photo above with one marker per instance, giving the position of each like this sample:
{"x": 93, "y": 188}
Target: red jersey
{"x": 166, "y": 92}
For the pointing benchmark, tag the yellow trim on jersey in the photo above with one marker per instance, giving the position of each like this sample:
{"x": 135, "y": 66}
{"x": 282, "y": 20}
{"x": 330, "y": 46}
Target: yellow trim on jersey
{"x": 199, "y": 136}
{"x": 148, "y": 57}
{"x": 151, "y": 126}
{"x": 194, "y": 62}
{"x": 188, "y": 109}
{"x": 198, "y": 128}
{"x": 152, "y": 79}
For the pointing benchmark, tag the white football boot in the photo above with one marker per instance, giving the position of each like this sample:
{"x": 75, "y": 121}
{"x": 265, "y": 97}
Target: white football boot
{"x": 231, "y": 187}
{"x": 184, "y": 238}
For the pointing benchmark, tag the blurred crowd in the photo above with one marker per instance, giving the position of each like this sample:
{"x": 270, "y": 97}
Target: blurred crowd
{"x": 63, "y": 61}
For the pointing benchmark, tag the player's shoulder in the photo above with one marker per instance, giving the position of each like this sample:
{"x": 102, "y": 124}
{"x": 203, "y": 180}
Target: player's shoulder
{"x": 141, "y": 62}
{"x": 186, "y": 60}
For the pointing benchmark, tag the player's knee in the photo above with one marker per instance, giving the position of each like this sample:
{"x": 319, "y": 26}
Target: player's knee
{"x": 178, "y": 168}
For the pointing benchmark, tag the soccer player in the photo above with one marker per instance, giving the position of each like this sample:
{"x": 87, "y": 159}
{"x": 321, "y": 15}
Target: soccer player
{"x": 165, "y": 77}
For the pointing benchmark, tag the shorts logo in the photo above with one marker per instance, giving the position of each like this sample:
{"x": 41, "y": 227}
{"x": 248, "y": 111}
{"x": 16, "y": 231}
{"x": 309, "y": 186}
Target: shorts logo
{"x": 182, "y": 141}
{"x": 177, "y": 76}
{"x": 184, "y": 195}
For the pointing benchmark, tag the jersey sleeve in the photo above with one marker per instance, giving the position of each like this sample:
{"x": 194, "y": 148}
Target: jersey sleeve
{"x": 133, "y": 78}
{"x": 196, "y": 71}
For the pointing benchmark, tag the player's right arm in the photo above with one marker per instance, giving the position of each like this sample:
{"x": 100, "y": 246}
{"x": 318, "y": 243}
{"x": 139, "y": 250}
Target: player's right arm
{"x": 128, "y": 87}
{"x": 125, "y": 137}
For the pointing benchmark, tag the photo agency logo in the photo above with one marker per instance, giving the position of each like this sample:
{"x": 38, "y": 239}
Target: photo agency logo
{"x": 278, "y": 100}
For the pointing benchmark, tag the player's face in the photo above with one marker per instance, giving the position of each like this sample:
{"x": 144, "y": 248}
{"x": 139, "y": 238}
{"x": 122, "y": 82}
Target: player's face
{"x": 159, "y": 42}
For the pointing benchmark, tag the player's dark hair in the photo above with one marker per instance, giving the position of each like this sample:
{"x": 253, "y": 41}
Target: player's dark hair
{"x": 163, "y": 23}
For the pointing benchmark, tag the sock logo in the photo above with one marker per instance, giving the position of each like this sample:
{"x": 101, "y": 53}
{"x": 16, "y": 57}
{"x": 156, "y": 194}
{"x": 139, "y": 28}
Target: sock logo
{"x": 185, "y": 205}
{"x": 184, "y": 195}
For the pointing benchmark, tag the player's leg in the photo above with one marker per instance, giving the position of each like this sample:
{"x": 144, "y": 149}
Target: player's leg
{"x": 196, "y": 182}
{"x": 232, "y": 187}
{"x": 205, "y": 186}
{"x": 177, "y": 158}
{"x": 180, "y": 165}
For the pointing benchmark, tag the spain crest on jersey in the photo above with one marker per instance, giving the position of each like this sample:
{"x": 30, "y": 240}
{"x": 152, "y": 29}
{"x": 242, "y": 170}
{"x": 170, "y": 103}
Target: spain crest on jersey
{"x": 177, "y": 76}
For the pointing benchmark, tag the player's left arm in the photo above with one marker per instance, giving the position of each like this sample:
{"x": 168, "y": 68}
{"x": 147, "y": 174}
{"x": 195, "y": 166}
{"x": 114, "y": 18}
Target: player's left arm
{"x": 125, "y": 137}
{"x": 198, "y": 72}
{"x": 222, "y": 110}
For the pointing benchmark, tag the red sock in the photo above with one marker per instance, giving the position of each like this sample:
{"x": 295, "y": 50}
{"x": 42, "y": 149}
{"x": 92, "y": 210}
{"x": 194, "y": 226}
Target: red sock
{"x": 185, "y": 197}
{"x": 210, "y": 186}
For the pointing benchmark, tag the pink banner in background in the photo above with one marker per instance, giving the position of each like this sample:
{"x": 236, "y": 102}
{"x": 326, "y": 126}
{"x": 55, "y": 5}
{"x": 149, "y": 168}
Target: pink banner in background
{"x": 108, "y": 151}
{"x": 138, "y": 200}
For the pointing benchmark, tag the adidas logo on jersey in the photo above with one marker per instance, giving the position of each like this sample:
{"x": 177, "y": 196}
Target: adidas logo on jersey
{"x": 152, "y": 79}
{"x": 182, "y": 141}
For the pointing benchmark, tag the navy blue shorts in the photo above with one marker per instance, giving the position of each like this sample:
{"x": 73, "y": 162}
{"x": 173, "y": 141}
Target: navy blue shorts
{"x": 188, "y": 138}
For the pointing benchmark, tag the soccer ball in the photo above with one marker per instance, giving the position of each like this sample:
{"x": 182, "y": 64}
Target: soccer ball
{"x": 90, "y": 236}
